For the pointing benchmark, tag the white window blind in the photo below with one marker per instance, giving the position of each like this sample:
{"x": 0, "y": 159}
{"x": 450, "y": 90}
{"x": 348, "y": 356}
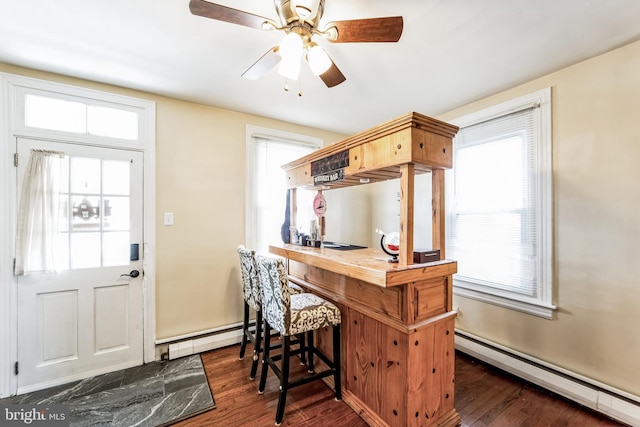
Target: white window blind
{"x": 498, "y": 209}
{"x": 493, "y": 231}
{"x": 270, "y": 190}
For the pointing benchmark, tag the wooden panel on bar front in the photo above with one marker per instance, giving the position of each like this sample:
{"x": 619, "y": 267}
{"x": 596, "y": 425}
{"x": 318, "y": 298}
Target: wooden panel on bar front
{"x": 376, "y": 368}
{"x": 386, "y": 301}
{"x": 431, "y": 383}
{"x": 406, "y": 379}
{"x": 429, "y": 298}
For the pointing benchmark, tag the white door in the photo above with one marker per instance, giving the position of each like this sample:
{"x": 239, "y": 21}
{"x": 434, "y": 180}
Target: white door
{"x": 86, "y": 319}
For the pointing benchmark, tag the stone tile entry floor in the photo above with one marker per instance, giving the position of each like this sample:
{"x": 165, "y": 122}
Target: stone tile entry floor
{"x": 155, "y": 394}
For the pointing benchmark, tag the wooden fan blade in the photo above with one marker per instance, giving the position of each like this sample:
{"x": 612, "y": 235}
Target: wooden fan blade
{"x": 387, "y": 29}
{"x": 333, "y": 76}
{"x": 226, "y": 14}
{"x": 263, "y": 65}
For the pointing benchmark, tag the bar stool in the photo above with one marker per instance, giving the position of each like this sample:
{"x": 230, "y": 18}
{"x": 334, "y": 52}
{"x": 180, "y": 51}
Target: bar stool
{"x": 292, "y": 314}
{"x": 252, "y": 295}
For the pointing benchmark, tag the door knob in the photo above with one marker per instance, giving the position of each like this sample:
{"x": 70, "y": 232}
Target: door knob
{"x": 133, "y": 273}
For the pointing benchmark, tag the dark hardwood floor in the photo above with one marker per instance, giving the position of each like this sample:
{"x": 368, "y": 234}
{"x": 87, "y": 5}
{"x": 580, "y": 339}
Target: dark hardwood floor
{"x": 484, "y": 396}
{"x": 487, "y": 396}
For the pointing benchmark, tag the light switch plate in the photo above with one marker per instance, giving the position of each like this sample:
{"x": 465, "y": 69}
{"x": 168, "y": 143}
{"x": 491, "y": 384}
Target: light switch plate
{"x": 168, "y": 218}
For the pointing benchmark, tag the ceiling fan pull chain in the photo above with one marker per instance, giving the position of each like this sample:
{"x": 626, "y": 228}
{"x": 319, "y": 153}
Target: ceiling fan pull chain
{"x": 286, "y": 84}
{"x": 300, "y": 87}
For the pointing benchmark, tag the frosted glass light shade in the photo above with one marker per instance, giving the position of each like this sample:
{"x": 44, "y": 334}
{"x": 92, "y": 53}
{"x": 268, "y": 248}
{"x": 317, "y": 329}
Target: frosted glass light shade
{"x": 291, "y": 47}
{"x": 319, "y": 61}
{"x": 289, "y": 68}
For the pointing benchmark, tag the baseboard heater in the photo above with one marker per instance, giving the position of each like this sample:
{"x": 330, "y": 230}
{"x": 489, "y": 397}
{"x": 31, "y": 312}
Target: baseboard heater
{"x": 614, "y": 403}
{"x": 199, "y": 342}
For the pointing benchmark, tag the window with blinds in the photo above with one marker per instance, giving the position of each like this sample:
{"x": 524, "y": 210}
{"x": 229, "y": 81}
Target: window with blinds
{"x": 267, "y": 151}
{"x": 498, "y": 205}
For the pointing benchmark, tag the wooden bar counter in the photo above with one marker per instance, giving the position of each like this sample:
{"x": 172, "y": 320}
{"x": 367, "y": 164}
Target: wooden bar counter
{"x": 397, "y": 319}
{"x": 398, "y": 350}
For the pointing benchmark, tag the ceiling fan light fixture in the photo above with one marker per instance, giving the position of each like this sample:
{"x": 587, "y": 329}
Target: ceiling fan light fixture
{"x": 291, "y": 47}
{"x": 289, "y": 68}
{"x": 318, "y": 60}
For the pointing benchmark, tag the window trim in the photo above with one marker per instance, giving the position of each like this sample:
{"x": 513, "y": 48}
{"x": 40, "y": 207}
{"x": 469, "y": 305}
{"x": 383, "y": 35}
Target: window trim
{"x": 250, "y": 167}
{"x": 543, "y": 305}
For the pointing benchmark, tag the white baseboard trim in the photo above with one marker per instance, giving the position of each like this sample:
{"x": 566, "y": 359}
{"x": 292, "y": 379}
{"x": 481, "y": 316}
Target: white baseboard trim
{"x": 222, "y": 337}
{"x": 201, "y": 333}
{"x": 614, "y": 403}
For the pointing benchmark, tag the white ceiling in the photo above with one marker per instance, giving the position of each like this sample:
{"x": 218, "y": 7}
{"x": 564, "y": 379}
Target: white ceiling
{"x": 451, "y": 52}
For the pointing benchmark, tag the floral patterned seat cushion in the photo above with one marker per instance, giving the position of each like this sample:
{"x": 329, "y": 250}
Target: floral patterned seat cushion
{"x": 310, "y": 312}
{"x": 295, "y": 289}
{"x": 291, "y": 314}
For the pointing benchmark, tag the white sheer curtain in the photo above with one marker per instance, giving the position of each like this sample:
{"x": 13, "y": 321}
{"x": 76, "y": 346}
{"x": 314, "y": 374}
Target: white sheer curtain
{"x": 39, "y": 213}
{"x": 270, "y": 189}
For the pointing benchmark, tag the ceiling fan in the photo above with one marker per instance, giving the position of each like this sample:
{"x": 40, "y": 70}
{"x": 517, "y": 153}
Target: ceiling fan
{"x": 300, "y": 20}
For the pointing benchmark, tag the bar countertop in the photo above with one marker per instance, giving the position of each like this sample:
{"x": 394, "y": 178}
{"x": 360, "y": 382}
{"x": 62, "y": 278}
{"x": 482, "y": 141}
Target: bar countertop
{"x": 366, "y": 264}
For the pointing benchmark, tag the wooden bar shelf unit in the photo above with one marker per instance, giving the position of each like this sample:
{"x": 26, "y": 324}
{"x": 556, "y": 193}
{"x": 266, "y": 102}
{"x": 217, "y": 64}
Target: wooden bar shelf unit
{"x": 398, "y": 323}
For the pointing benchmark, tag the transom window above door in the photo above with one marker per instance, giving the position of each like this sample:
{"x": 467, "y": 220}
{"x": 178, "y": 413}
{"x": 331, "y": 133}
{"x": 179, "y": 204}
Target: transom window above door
{"x": 75, "y": 117}
{"x": 46, "y": 112}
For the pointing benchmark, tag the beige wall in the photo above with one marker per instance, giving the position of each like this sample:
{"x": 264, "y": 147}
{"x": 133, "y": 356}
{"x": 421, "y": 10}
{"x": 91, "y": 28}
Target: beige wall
{"x": 200, "y": 177}
{"x": 200, "y": 174}
{"x": 596, "y": 172}
{"x": 385, "y": 216}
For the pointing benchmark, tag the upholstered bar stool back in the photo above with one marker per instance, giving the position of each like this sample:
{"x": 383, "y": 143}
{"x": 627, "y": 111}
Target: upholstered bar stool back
{"x": 252, "y": 299}
{"x": 250, "y": 287}
{"x": 252, "y": 294}
{"x": 294, "y": 314}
